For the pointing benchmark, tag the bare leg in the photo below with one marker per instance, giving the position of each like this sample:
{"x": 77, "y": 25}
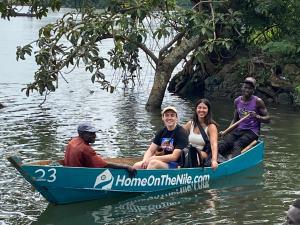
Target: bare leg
{"x": 138, "y": 165}
{"x": 203, "y": 154}
{"x": 157, "y": 164}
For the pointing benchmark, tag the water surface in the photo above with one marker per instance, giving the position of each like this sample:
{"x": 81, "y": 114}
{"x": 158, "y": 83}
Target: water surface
{"x": 258, "y": 196}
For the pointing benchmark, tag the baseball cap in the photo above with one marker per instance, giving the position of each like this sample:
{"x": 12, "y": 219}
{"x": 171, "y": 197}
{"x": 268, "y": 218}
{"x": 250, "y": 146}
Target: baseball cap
{"x": 169, "y": 108}
{"x": 251, "y": 81}
{"x": 86, "y": 127}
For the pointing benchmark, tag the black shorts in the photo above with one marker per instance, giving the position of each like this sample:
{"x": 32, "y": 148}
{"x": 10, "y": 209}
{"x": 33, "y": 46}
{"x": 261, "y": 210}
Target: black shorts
{"x": 235, "y": 141}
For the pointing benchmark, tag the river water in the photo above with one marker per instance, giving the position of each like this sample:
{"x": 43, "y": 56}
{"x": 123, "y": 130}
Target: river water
{"x": 260, "y": 195}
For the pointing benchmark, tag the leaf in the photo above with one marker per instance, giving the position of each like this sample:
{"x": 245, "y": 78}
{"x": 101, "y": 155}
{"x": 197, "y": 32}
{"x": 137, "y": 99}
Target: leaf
{"x": 227, "y": 45}
{"x": 71, "y": 60}
{"x": 93, "y": 78}
{"x": 90, "y": 68}
{"x": 85, "y": 59}
{"x": 27, "y": 92}
{"x": 47, "y": 31}
{"x": 112, "y": 89}
{"x": 101, "y": 63}
{"x": 139, "y": 38}
{"x": 50, "y": 86}
{"x": 139, "y": 13}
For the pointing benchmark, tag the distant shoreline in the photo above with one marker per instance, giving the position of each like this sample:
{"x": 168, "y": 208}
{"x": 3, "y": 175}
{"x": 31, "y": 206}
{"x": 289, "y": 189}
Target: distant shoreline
{"x": 25, "y": 14}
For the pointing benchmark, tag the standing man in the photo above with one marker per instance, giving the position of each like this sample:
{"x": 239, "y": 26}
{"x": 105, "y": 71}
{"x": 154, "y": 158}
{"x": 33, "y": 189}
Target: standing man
{"x": 79, "y": 153}
{"x": 169, "y": 142}
{"x": 249, "y": 129}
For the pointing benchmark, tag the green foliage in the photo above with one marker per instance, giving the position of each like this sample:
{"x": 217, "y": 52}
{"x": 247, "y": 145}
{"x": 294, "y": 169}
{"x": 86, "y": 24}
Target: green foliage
{"x": 221, "y": 27}
{"x": 21, "y": 52}
{"x": 272, "y": 29}
{"x": 102, "y": 4}
{"x": 75, "y": 39}
{"x": 270, "y": 20}
{"x": 37, "y": 7}
{"x": 281, "y": 48}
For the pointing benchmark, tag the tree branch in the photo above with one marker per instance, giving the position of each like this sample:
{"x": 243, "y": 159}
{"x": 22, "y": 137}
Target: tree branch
{"x": 213, "y": 19}
{"x": 262, "y": 33}
{"x": 182, "y": 50}
{"x": 208, "y": 1}
{"x": 175, "y": 39}
{"x": 148, "y": 52}
{"x": 45, "y": 98}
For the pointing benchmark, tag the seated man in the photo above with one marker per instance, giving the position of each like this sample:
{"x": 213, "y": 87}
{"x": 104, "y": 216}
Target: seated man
{"x": 293, "y": 215}
{"x": 168, "y": 142}
{"x": 79, "y": 153}
{"x": 249, "y": 129}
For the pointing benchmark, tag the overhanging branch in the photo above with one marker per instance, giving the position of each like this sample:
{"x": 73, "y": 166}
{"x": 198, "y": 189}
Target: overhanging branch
{"x": 182, "y": 50}
{"x": 175, "y": 39}
{"x": 148, "y": 52}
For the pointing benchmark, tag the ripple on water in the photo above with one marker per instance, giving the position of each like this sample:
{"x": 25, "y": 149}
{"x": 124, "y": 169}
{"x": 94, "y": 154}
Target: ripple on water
{"x": 13, "y": 199}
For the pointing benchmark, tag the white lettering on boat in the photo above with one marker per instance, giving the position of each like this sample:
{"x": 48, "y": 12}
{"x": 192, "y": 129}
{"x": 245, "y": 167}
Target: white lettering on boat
{"x": 163, "y": 180}
{"x": 49, "y": 176}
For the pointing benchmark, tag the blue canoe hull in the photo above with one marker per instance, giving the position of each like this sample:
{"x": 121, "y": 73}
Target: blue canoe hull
{"x": 63, "y": 185}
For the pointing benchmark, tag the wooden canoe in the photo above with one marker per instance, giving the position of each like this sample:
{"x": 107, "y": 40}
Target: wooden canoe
{"x": 63, "y": 185}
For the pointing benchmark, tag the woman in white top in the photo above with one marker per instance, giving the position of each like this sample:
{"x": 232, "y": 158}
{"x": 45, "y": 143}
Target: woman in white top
{"x": 203, "y": 118}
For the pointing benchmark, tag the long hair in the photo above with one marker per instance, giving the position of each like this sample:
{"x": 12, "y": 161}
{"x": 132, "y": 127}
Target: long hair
{"x": 208, "y": 118}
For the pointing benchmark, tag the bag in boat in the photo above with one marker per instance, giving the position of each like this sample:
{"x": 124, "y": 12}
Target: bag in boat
{"x": 190, "y": 158}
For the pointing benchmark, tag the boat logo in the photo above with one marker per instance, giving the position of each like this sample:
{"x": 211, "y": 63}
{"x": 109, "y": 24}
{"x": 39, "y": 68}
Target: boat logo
{"x": 104, "y": 180}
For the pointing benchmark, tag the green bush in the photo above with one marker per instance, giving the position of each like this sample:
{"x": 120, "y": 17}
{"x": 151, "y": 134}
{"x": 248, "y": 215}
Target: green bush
{"x": 281, "y": 48}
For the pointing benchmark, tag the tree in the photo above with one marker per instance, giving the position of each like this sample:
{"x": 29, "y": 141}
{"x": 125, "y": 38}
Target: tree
{"x": 76, "y": 39}
{"x": 10, "y": 8}
{"x": 273, "y": 26}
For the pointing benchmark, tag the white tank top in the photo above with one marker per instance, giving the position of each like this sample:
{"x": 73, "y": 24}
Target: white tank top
{"x": 195, "y": 139}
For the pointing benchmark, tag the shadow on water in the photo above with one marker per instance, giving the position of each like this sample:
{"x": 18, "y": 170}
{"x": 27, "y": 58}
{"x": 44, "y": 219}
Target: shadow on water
{"x": 138, "y": 208}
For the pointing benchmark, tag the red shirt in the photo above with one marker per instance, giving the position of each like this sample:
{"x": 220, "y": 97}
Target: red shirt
{"x": 80, "y": 154}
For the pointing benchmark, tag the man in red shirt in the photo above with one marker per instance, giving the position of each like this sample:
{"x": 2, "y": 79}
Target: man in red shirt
{"x": 79, "y": 153}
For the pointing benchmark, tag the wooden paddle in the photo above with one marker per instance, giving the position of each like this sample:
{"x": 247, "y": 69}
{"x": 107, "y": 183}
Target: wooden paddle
{"x": 233, "y": 126}
{"x": 249, "y": 146}
{"x": 129, "y": 160}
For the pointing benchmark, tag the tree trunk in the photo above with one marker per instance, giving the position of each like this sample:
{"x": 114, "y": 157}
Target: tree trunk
{"x": 161, "y": 80}
{"x": 165, "y": 68}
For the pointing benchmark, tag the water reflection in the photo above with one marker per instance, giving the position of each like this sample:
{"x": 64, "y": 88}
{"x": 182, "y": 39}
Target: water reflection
{"x": 44, "y": 129}
{"x": 132, "y": 124}
{"x": 189, "y": 204}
